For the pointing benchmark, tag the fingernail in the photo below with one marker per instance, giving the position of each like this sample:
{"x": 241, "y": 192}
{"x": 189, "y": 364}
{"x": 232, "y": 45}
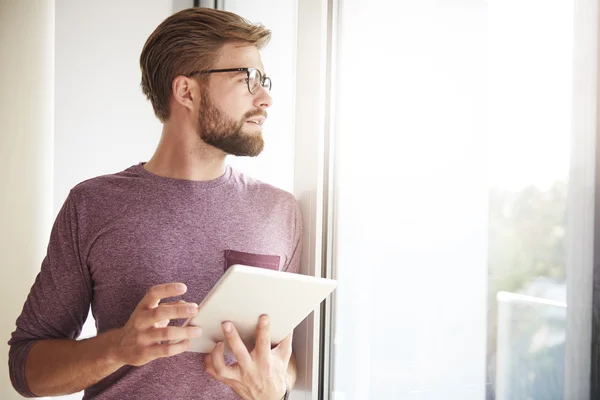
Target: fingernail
{"x": 264, "y": 320}
{"x": 191, "y": 310}
{"x": 196, "y": 331}
{"x": 228, "y": 327}
{"x": 180, "y": 286}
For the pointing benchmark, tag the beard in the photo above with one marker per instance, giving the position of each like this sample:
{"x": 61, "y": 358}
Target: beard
{"x": 218, "y": 130}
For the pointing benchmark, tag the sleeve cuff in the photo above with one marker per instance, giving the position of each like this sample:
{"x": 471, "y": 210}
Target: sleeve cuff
{"x": 16, "y": 362}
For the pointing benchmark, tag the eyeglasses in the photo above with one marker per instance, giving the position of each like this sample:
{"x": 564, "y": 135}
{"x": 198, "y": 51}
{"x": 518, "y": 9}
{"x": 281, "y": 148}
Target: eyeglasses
{"x": 254, "y": 78}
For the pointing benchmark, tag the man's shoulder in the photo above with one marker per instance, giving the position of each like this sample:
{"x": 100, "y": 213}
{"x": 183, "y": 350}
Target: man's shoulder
{"x": 100, "y": 186}
{"x": 256, "y": 187}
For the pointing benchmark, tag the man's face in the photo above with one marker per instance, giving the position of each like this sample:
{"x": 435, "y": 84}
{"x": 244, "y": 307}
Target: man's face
{"x": 230, "y": 117}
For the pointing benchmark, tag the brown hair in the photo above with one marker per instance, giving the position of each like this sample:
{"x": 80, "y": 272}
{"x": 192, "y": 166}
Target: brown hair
{"x": 188, "y": 41}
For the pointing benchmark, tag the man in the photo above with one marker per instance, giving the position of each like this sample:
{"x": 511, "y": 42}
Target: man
{"x": 167, "y": 229}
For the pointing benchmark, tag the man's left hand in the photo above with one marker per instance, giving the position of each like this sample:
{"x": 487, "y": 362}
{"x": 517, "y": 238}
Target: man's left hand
{"x": 259, "y": 374}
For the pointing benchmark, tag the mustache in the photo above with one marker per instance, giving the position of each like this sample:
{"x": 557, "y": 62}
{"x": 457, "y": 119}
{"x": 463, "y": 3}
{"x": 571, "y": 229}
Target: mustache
{"x": 255, "y": 113}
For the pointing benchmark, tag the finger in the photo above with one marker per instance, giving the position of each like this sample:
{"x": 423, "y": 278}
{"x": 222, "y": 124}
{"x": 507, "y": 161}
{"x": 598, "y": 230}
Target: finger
{"x": 157, "y": 293}
{"x": 168, "y": 350}
{"x": 263, "y": 336}
{"x": 236, "y": 345}
{"x": 162, "y": 324}
{"x": 171, "y": 333}
{"x": 208, "y": 365}
{"x": 166, "y": 312}
{"x": 173, "y": 302}
{"x": 284, "y": 348}
{"x": 222, "y": 370}
{"x": 178, "y": 302}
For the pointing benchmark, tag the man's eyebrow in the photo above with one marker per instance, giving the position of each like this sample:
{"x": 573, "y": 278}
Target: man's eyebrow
{"x": 234, "y": 74}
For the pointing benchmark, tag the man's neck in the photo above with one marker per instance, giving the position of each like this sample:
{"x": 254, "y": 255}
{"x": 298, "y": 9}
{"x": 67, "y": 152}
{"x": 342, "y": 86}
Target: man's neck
{"x": 183, "y": 155}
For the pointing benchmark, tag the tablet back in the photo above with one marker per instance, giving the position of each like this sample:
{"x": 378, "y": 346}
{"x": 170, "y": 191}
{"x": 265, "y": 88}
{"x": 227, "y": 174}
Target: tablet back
{"x": 244, "y": 293}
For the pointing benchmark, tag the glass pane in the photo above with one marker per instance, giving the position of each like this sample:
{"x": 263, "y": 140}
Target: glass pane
{"x": 411, "y": 210}
{"x": 451, "y": 166}
{"x": 530, "y": 124}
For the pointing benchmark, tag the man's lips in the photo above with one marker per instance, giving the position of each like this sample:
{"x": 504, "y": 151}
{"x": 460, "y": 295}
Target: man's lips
{"x": 258, "y": 120}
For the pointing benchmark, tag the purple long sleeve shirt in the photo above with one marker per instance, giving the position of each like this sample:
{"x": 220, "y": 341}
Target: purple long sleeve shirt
{"x": 118, "y": 235}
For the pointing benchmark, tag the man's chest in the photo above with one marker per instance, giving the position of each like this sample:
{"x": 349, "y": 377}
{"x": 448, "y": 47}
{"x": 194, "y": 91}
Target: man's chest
{"x": 132, "y": 255}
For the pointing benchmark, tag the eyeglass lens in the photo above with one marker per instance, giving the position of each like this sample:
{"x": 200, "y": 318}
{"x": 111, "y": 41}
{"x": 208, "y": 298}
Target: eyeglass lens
{"x": 255, "y": 80}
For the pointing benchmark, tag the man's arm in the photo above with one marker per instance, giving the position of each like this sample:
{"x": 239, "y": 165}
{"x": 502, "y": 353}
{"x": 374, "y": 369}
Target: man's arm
{"x": 59, "y": 300}
{"x": 57, "y": 367}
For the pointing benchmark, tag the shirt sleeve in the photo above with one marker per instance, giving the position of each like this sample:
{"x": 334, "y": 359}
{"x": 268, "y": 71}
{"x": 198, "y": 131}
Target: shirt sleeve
{"x": 293, "y": 264}
{"x": 59, "y": 300}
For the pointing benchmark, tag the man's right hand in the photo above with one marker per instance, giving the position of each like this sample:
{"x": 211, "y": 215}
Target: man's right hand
{"x": 146, "y": 336}
{"x": 60, "y": 366}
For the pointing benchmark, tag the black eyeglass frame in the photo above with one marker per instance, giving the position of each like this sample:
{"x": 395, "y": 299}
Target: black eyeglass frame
{"x": 263, "y": 79}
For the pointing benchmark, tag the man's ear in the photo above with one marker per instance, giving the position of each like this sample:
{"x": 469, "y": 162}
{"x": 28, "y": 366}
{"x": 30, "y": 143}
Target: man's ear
{"x": 185, "y": 90}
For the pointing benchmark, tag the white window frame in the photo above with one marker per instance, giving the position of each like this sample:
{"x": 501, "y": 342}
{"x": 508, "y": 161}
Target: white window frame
{"x": 312, "y": 169}
{"x": 582, "y": 201}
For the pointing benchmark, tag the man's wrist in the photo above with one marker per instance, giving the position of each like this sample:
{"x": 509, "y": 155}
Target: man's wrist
{"x": 112, "y": 354}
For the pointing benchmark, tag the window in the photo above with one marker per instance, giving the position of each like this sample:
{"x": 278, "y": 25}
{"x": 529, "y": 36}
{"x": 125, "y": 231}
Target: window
{"x": 530, "y": 87}
{"x": 411, "y": 208}
{"x": 450, "y": 200}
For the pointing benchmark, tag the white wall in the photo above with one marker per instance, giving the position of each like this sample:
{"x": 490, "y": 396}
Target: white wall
{"x": 103, "y": 122}
{"x": 26, "y": 128}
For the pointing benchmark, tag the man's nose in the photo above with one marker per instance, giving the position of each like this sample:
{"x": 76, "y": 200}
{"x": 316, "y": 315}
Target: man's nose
{"x": 263, "y": 99}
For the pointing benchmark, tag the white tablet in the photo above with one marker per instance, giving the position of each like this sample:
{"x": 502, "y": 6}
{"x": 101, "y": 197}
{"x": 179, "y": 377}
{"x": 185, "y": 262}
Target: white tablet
{"x": 245, "y": 293}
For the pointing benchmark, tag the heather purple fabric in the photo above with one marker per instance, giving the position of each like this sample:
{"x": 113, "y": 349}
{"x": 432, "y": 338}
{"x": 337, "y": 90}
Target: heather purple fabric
{"x": 118, "y": 235}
